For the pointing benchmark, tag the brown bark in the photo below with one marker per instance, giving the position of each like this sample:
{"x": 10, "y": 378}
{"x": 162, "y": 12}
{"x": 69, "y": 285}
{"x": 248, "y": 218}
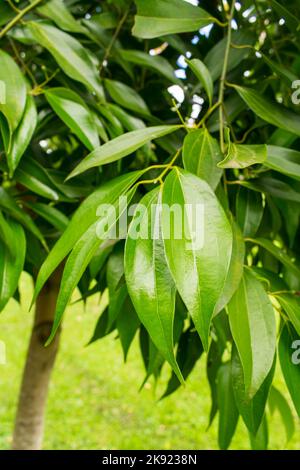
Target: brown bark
{"x": 29, "y": 424}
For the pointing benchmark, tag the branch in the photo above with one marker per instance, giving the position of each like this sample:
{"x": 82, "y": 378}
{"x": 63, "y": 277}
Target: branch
{"x": 223, "y": 76}
{"x": 18, "y": 17}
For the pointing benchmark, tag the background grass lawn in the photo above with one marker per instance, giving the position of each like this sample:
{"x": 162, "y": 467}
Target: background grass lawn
{"x": 94, "y": 402}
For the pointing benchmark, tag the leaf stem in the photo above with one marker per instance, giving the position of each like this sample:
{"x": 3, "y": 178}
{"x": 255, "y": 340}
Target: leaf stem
{"x": 223, "y": 75}
{"x": 18, "y": 17}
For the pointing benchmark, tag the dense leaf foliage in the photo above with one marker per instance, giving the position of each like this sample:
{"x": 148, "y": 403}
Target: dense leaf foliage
{"x": 162, "y": 103}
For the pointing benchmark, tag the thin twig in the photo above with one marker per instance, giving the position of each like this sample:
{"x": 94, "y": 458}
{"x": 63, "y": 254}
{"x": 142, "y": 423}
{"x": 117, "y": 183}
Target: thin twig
{"x": 223, "y": 76}
{"x": 18, "y": 17}
{"x": 113, "y": 40}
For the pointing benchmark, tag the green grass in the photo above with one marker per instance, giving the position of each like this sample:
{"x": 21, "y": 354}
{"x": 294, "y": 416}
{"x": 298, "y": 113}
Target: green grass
{"x": 94, "y": 401}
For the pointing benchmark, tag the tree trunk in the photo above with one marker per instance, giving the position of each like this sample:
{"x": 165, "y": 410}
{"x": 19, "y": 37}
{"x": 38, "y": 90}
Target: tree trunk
{"x": 29, "y": 424}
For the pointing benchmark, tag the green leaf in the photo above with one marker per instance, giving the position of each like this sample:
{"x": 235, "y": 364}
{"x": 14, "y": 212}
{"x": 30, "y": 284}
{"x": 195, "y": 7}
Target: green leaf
{"x": 214, "y": 362}
{"x": 277, "y": 401}
{"x": 269, "y": 111}
{"x": 35, "y": 177}
{"x": 278, "y": 253}
{"x": 157, "y": 63}
{"x": 291, "y": 305}
{"x": 148, "y": 278}
{"x": 82, "y": 253}
{"x": 121, "y": 147}
{"x": 72, "y": 111}
{"x": 228, "y": 412}
{"x": 82, "y": 220}
{"x": 252, "y": 323}
{"x": 11, "y": 262}
{"x": 10, "y": 206}
{"x": 14, "y": 92}
{"x": 127, "y": 325}
{"x": 203, "y": 75}
{"x": 236, "y": 267}
{"x": 251, "y": 410}
{"x": 289, "y": 346}
{"x": 52, "y": 215}
{"x": 260, "y": 440}
{"x": 70, "y": 55}
{"x": 291, "y": 20}
{"x": 215, "y": 58}
{"x": 117, "y": 294}
{"x": 193, "y": 242}
{"x": 58, "y": 12}
{"x": 160, "y": 17}
{"x": 126, "y": 97}
{"x": 249, "y": 211}
{"x": 189, "y": 351}
{"x": 22, "y": 136}
{"x": 201, "y": 154}
{"x": 284, "y": 160}
{"x": 242, "y": 156}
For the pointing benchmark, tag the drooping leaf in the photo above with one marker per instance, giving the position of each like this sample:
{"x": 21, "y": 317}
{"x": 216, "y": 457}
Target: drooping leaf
{"x": 11, "y": 262}
{"x": 71, "y": 109}
{"x": 127, "y": 325}
{"x": 278, "y": 253}
{"x": 14, "y": 91}
{"x": 249, "y": 211}
{"x": 148, "y": 278}
{"x": 157, "y": 63}
{"x": 189, "y": 351}
{"x": 126, "y": 97}
{"x": 260, "y": 440}
{"x": 251, "y": 410}
{"x": 252, "y": 322}
{"x": 291, "y": 305}
{"x": 269, "y": 111}
{"x": 201, "y": 154}
{"x": 51, "y": 214}
{"x": 160, "y": 17}
{"x": 235, "y": 271}
{"x": 22, "y": 135}
{"x": 284, "y": 161}
{"x": 289, "y": 356}
{"x": 203, "y": 75}
{"x": 195, "y": 236}
{"x": 58, "y": 12}
{"x": 121, "y": 147}
{"x": 70, "y": 55}
{"x": 84, "y": 217}
{"x": 117, "y": 294}
{"x": 228, "y": 412}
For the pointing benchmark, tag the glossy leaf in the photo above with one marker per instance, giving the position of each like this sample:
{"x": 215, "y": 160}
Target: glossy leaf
{"x": 22, "y": 135}
{"x": 70, "y": 55}
{"x": 72, "y": 111}
{"x": 14, "y": 91}
{"x": 126, "y": 97}
{"x": 58, "y": 12}
{"x": 11, "y": 262}
{"x": 82, "y": 220}
{"x": 148, "y": 278}
{"x": 162, "y": 17}
{"x": 269, "y": 111}
{"x": 242, "y": 156}
{"x": 228, "y": 412}
{"x": 201, "y": 154}
{"x": 249, "y": 211}
{"x": 121, "y": 147}
{"x": 291, "y": 305}
{"x": 191, "y": 254}
{"x": 284, "y": 160}
{"x": 251, "y": 410}
{"x": 203, "y": 74}
{"x": 252, "y": 322}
